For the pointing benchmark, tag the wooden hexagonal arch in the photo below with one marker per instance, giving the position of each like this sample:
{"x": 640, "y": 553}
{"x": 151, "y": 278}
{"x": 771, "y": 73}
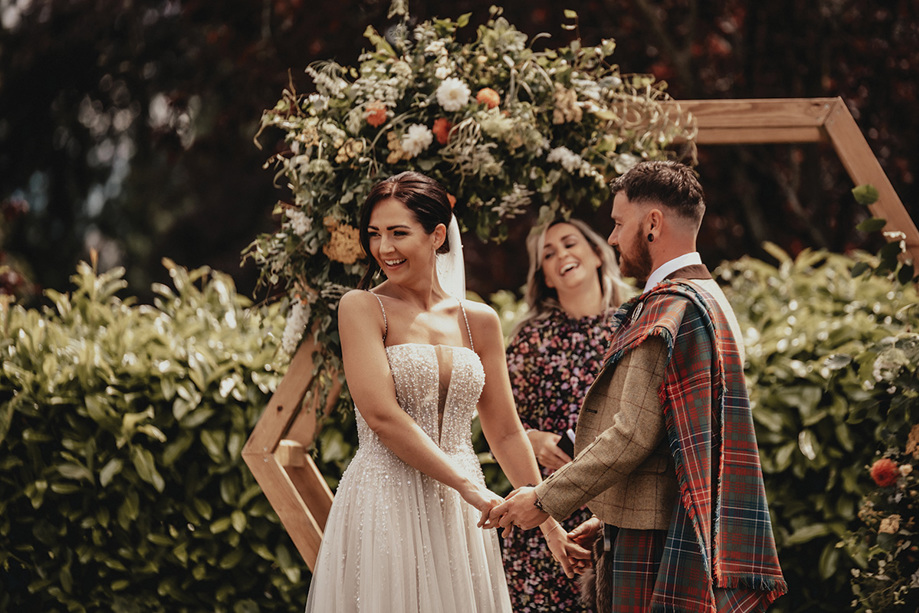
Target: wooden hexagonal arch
{"x": 276, "y": 450}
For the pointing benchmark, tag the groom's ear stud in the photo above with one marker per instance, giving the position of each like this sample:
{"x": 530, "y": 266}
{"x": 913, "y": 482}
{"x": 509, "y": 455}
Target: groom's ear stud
{"x": 650, "y": 237}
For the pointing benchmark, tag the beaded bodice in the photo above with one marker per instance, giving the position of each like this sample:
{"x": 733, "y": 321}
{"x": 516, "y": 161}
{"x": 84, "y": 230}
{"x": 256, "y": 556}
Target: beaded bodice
{"x": 419, "y": 371}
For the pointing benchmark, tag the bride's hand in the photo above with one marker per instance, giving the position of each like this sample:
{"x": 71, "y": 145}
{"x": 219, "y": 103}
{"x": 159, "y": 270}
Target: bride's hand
{"x": 482, "y": 499}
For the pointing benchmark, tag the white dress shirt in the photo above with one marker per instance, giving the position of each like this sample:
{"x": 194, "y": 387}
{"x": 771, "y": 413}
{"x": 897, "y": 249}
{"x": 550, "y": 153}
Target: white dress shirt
{"x": 661, "y": 272}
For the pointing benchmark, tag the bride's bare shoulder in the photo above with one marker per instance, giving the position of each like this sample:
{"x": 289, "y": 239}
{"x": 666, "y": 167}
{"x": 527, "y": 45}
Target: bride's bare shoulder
{"x": 481, "y": 316}
{"x": 357, "y": 301}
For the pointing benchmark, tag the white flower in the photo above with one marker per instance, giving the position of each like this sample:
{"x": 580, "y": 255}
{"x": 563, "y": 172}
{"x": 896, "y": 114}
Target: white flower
{"x": 888, "y": 363}
{"x": 515, "y": 202}
{"x": 296, "y": 323}
{"x": 401, "y": 69}
{"x": 453, "y": 94}
{"x": 436, "y": 48}
{"x": 318, "y": 103}
{"x": 624, "y": 162}
{"x": 327, "y": 79}
{"x": 442, "y": 72}
{"x": 416, "y": 139}
{"x": 299, "y": 221}
{"x": 569, "y": 160}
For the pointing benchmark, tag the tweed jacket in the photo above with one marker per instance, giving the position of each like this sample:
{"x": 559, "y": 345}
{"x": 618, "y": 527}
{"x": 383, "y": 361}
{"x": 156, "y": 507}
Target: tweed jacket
{"x": 623, "y": 470}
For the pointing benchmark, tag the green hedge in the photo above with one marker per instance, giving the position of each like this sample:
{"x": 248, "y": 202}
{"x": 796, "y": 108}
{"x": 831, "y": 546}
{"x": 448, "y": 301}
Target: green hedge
{"x": 816, "y": 338}
{"x": 121, "y": 426}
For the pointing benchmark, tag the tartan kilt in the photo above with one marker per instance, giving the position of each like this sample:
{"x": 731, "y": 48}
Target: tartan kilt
{"x": 629, "y": 573}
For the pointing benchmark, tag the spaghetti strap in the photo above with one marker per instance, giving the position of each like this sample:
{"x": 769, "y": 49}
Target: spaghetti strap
{"x": 468, "y": 329}
{"x": 386, "y": 323}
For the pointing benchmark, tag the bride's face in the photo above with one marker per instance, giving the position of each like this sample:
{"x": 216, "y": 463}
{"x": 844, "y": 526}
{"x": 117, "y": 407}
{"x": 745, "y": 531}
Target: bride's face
{"x": 399, "y": 243}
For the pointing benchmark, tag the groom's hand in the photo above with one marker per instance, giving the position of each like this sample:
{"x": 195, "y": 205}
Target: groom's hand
{"x": 518, "y": 509}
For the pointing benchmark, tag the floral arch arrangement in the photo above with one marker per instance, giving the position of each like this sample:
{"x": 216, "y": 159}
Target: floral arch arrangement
{"x": 503, "y": 127}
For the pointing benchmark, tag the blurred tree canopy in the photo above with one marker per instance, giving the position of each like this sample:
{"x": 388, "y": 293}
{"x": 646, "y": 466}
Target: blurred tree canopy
{"x": 128, "y": 126}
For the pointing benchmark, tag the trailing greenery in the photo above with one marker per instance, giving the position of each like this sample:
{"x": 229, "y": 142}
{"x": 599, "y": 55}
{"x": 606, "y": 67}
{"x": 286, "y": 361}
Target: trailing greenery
{"x": 504, "y": 127}
{"x": 823, "y": 400}
{"x": 121, "y": 426}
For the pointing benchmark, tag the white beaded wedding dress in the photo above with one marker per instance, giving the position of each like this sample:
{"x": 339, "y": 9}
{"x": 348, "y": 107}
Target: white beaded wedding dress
{"x": 398, "y": 541}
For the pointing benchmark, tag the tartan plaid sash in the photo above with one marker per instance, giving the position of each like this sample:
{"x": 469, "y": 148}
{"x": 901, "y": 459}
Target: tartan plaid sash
{"x": 722, "y": 531}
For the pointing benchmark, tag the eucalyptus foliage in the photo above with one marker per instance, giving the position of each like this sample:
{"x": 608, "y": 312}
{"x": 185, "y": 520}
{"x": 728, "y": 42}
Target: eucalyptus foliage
{"x": 121, "y": 426}
{"x": 817, "y": 339}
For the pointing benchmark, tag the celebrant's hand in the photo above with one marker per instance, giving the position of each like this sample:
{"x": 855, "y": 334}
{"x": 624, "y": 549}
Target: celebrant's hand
{"x": 545, "y": 446}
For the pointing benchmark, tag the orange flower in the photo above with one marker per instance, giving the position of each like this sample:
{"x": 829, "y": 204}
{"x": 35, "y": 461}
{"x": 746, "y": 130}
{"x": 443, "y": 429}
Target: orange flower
{"x": 344, "y": 243}
{"x": 451, "y": 199}
{"x": 441, "y": 130}
{"x": 376, "y": 114}
{"x": 885, "y": 472}
{"x": 489, "y": 97}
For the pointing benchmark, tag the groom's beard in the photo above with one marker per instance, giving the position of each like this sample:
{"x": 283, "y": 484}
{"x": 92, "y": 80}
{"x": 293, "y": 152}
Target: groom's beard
{"x": 637, "y": 263}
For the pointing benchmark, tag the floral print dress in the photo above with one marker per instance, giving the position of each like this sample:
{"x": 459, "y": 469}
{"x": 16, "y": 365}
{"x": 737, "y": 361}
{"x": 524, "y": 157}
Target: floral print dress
{"x": 552, "y": 362}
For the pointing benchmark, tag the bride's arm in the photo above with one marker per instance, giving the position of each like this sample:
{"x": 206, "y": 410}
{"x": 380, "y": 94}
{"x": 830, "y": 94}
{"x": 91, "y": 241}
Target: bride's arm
{"x": 501, "y": 424}
{"x": 360, "y": 326}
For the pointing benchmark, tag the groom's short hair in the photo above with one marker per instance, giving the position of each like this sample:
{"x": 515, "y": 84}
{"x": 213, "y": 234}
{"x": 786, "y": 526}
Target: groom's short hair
{"x": 668, "y": 183}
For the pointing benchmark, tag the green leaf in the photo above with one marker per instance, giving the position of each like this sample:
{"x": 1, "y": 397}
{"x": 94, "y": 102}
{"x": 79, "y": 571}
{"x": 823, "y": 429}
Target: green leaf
{"x": 838, "y": 361}
{"x": 904, "y": 276}
{"x": 829, "y": 561}
{"x": 570, "y": 14}
{"x": 75, "y": 471}
{"x": 808, "y": 533}
{"x": 146, "y": 468}
{"x": 221, "y": 525}
{"x": 865, "y": 194}
{"x": 108, "y": 472}
{"x": 6, "y": 417}
{"x": 874, "y": 224}
{"x": 239, "y": 520}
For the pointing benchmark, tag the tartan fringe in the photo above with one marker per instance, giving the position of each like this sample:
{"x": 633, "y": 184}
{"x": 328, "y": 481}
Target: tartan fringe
{"x": 771, "y": 588}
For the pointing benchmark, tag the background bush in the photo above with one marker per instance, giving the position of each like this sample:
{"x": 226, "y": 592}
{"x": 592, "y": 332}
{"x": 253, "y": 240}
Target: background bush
{"x": 818, "y": 342}
{"x": 121, "y": 426}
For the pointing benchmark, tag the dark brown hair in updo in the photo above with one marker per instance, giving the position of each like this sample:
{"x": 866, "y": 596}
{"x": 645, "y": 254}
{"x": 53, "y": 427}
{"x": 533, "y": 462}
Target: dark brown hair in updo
{"x": 424, "y": 197}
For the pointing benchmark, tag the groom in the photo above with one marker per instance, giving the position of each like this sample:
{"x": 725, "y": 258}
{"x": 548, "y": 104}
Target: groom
{"x": 666, "y": 456}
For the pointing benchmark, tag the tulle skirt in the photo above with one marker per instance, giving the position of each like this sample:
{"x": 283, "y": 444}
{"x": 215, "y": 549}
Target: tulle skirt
{"x": 399, "y": 541}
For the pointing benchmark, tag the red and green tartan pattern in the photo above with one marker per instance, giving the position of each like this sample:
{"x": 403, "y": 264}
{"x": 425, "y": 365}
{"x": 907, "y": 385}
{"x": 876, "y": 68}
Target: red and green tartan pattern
{"x": 721, "y": 536}
{"x": 633, "y": 565}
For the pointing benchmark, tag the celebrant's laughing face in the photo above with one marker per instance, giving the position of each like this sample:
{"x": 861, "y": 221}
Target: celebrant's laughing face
{"x": 399, "y": 243}
{"x": 629, "y": 240}
{"x": 568, "y": 260}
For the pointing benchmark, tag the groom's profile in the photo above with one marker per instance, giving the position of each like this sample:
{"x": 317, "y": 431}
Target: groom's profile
{"x": 666, "y": 457}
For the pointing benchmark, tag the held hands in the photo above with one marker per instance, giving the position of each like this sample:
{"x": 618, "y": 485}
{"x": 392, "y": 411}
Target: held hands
{"x": 545, "y": 446}
{"x": 572, "y": 557}
{"x": 481, "y": 498}
{"x": 584, "y": 535}
{"x": 518, "y": 509}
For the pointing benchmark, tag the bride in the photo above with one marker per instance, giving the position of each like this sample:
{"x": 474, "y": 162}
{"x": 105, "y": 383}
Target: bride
{"x": 402, "y": 534}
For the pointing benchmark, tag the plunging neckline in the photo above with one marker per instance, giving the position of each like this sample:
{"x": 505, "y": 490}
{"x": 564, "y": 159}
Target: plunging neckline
{"x": 444, "y": 388}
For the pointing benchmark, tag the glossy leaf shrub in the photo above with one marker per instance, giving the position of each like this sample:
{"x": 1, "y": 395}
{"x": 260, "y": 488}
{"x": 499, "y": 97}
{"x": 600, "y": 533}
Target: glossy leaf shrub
{"x": 121, "y": 426}
{"x": 816, "y": 342}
